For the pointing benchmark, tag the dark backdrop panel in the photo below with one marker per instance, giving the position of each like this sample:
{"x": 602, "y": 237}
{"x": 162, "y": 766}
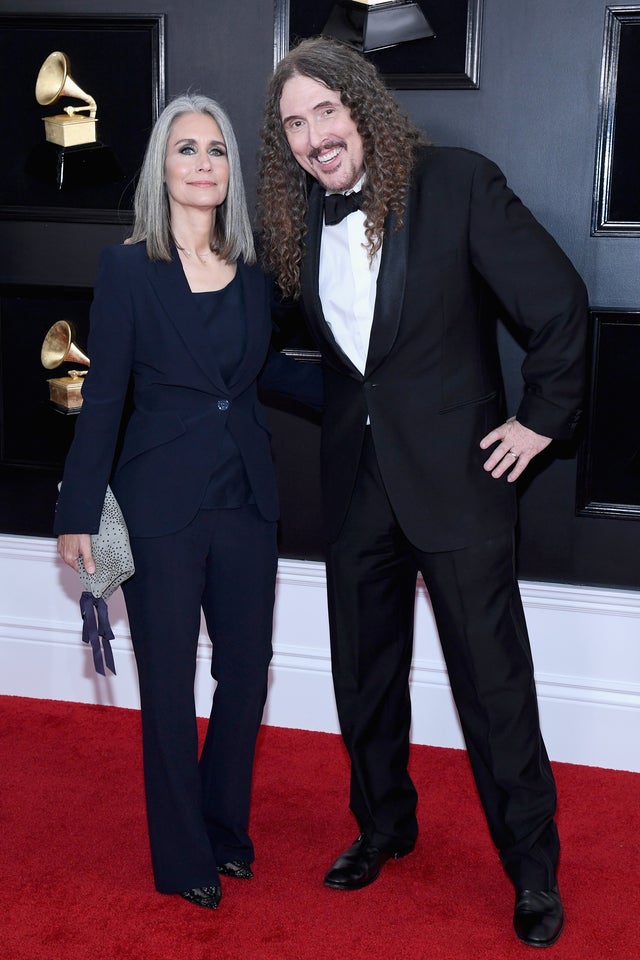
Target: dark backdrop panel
{"x": 34, "y": 436}
{"x": 112, "y": 59}
{"x": 33, "y": 433}
{"x": 625, "y": 196}
{"x": 610, "y": 457}
{"x": 296, "y": 452}
{"x": 535, "y": 113}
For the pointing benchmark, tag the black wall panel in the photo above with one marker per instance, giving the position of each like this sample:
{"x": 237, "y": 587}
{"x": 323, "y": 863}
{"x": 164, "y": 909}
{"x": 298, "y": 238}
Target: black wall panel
{"x": 535, "y": 113}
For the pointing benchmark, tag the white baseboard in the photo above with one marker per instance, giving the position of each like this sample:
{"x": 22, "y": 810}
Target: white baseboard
{"x": 586, "y": 646}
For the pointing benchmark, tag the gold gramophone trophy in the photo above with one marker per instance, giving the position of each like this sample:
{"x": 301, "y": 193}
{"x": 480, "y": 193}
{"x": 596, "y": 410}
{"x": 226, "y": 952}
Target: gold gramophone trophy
{"x": 70, "y": 128}
{"x": 58, "y": 347}
{"x": 71, "y": 156}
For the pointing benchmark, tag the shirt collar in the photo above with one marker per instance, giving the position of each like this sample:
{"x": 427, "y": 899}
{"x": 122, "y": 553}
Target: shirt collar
{"x": 354, "y": 189}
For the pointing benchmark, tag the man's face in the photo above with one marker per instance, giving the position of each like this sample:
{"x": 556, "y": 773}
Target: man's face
{"x": 322, "y": 136}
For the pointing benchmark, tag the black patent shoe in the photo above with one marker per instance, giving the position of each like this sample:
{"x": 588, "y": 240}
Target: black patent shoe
{"x": 538, "y": 917}
{"x": 360, "y": 865}
{"x": 208, "y": 897}
{"x": 239, "y": 869}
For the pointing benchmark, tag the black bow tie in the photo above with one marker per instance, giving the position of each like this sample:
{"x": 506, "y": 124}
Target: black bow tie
{"x": 337, "y": 206}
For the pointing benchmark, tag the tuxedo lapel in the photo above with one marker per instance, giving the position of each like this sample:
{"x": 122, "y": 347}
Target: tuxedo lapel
{"x": 389, "y": 291}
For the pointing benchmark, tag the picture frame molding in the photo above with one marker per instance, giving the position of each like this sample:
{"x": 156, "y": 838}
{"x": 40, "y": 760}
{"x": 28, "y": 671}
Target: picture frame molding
{"x": 155, "y": 25}
{"x": 588, "y": 503}
{"x": 616, "y": 17}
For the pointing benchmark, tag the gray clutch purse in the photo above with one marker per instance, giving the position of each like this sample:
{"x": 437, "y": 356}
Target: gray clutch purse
{"x": 111, "y": 552}
{"x": 114, "y": 564}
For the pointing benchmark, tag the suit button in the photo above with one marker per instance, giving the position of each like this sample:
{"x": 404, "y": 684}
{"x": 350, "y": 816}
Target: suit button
{"x": 223, "y": 404}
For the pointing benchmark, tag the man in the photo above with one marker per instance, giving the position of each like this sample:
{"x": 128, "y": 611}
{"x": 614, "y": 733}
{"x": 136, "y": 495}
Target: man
{"x": 393, "y": 295}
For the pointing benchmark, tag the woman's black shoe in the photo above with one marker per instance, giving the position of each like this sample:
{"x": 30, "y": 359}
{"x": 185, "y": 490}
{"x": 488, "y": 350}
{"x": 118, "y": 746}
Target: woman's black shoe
{"x": 208, "y": 897}
{"x": 239, "y": 869}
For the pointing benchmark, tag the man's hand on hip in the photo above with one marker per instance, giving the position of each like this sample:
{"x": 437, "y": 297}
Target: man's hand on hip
{"x": 517, "y": 445}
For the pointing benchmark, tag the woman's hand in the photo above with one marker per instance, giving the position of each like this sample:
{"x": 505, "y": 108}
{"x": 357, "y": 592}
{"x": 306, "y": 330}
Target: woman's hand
{"x": 72, "y": 546}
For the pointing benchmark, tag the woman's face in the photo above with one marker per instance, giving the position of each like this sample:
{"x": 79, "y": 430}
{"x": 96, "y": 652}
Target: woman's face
{"x": 196, "y": 167}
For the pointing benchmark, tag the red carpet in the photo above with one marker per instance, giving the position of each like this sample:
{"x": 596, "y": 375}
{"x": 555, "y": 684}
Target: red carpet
{"x": 76, "y": 880}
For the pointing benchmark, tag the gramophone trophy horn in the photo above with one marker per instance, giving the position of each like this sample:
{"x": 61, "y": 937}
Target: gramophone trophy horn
{"x": 58, "y": 347}
{"x": 54, "y": 81}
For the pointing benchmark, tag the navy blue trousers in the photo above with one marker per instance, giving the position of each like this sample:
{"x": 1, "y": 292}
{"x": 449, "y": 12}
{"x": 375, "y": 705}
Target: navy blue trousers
{"x": 224, "y": 565}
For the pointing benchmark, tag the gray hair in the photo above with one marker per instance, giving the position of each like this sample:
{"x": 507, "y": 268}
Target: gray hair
{"x": 232, "y": 235}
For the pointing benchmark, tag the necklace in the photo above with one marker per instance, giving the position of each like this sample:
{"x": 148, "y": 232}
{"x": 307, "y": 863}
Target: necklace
{"x": 202, "y": 257}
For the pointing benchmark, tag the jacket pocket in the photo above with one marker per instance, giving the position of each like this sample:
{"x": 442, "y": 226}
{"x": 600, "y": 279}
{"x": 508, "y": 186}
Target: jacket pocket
{"x": 485, "y": 398}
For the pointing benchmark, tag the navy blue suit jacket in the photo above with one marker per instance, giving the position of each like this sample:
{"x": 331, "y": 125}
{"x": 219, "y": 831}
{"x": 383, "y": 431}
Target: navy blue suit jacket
{"x": 142, "y": 332}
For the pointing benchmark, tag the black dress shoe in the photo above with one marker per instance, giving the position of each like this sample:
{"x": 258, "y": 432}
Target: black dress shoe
{"x": 208, "y": 897}
{"x": 360, "y": 865}
{"x": 239, "y": 869}
{"x": 538, "y": 917}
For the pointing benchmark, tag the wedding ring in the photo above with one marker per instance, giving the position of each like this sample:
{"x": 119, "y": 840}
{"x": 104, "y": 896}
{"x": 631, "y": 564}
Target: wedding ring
{"x": 514, "y": 455}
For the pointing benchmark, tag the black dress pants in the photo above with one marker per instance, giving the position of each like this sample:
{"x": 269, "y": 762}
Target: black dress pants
{"x": 372, "y": 570}
{"x": 223, "y": 564}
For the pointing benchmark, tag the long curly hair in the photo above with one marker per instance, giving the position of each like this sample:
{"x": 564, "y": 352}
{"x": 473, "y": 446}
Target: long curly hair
{"x": 389, "y": 142}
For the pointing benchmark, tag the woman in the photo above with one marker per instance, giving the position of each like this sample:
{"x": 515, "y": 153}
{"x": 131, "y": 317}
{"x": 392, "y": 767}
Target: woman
{"x": 181, "y": 313}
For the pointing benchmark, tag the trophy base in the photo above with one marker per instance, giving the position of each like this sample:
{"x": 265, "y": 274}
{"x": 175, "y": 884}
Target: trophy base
{"x": 65, "y": 393}
{"x": 70, "y": 131}
{"x": 84, "y": 165}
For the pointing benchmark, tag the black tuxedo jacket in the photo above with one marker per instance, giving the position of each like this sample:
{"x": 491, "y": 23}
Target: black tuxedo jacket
{"x": 432, "y": 386}
{"x": 145, "y": 330}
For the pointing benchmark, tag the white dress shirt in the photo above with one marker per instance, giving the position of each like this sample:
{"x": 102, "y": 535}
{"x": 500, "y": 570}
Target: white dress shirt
{"x": 347, "y": 284}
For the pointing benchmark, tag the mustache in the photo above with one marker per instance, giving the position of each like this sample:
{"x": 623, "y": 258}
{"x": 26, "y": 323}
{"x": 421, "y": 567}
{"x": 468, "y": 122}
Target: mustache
{"x": 329, "y": 145}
